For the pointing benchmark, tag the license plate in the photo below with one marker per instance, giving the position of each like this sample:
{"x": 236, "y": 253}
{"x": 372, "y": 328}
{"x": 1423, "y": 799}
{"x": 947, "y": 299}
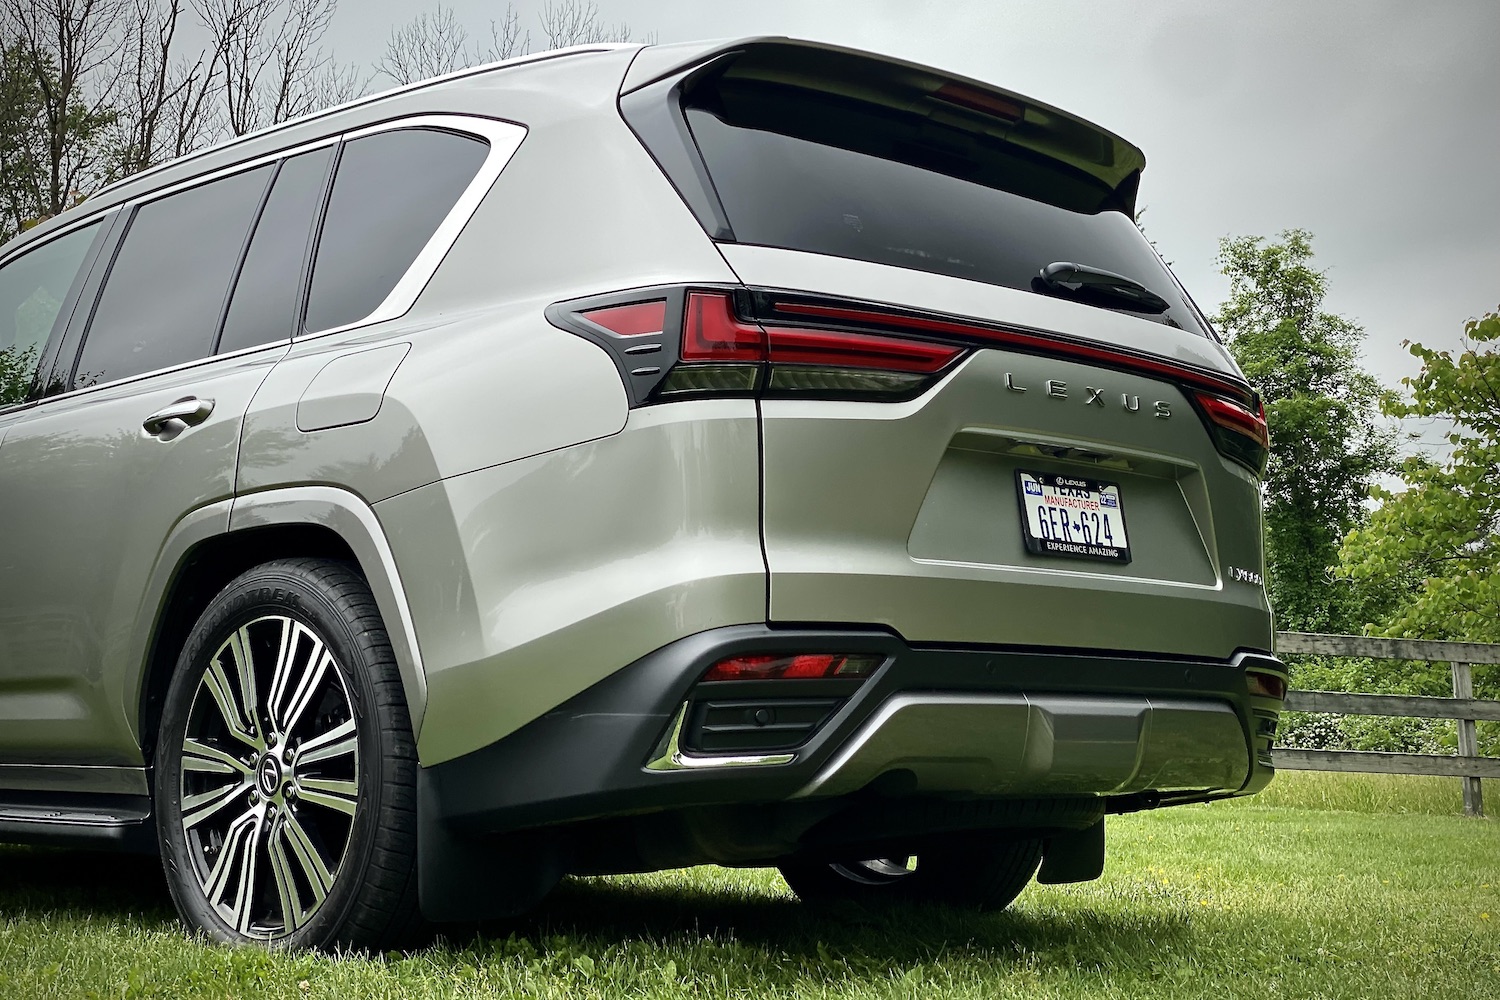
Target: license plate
{"x": 1072, "y": 516}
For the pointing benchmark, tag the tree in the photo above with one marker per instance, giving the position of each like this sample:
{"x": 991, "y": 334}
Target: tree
{"x": 1437, "y": 542}
{"x": 1327, "y": 446}
{"x": 431, "y": 44}
{"x": 64, "y": 49}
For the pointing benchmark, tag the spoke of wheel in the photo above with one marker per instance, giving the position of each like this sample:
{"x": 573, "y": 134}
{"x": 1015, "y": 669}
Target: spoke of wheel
{"x": 219, "y": 688}
{"x": 339, "y": 740}
{"x": 244, "y": 663}
{"x": 332, "y": 793}
{"x": 281, "y": 870}
{"x": 199, "y": 756}
{"x": 281, "y": 673}
{"x": 244, "y": 896}
{"x": 238, "y": 838}
{"x": 316, "y": 666}
{"x": 319, "y": 878}
{"x": 200, "y": 806}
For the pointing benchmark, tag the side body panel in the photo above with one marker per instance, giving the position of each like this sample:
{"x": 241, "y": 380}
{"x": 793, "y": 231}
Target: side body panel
{"x": 532, "y": 581}
{"x": 98, "y": 495}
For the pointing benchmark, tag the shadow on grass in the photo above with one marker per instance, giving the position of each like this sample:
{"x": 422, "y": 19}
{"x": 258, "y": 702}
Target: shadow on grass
{"x": 57, "y": 883}
{"x": 596, "y": 914}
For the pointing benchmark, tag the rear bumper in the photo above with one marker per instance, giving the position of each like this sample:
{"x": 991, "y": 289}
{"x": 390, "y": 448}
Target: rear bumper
{"x": 944, "y": 722}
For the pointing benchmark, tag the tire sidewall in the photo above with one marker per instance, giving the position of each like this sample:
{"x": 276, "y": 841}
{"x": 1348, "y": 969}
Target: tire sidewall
{"x": 268, "y": 590}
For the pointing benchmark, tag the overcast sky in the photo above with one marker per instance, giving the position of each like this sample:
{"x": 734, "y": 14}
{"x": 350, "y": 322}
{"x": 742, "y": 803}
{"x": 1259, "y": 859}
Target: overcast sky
{"x": 1373, "y": 123}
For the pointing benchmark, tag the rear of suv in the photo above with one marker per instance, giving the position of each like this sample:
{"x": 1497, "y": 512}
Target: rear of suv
{"x": 759, "y": 453}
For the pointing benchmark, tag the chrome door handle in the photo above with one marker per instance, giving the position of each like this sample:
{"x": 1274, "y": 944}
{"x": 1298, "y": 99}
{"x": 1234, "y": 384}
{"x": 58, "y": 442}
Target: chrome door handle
{"x": 190, "y": 411}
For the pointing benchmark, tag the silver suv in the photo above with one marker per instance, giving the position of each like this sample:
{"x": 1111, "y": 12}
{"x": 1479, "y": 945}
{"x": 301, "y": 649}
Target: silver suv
{"x": 612, "y": 460}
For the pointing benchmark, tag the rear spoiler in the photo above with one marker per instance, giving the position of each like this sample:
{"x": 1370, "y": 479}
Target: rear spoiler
{"x": 1045, "y": 132}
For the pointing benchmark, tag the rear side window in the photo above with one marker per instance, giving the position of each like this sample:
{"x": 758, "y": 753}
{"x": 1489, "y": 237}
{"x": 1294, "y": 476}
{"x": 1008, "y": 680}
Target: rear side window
{"x": 392, "y": 191}
{"x": 32, "y": 290}
{"x": 164, "y": 296}
{"x": 870, "y": 161}
{"x": 264, "y": 306}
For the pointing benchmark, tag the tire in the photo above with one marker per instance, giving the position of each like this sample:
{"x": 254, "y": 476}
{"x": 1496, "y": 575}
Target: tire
{"x": 292, "y": 825}
{"x": 972, "y": 870}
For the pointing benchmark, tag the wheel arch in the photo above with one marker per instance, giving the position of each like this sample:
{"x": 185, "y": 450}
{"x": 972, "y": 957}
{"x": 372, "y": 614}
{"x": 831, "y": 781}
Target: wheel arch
{"x": 221, "y": 541}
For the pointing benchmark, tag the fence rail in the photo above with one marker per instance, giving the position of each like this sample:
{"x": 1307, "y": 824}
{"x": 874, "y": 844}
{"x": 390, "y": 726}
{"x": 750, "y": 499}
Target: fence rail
{"x": 1463, "y": 706}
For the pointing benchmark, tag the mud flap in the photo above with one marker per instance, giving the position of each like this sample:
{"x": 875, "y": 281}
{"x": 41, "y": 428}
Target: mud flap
{"x": 1073, "y": 857}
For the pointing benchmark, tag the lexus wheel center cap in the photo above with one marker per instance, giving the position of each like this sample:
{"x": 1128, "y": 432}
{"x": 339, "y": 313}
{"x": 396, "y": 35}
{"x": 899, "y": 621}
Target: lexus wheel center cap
{"x": 269, "y": 775}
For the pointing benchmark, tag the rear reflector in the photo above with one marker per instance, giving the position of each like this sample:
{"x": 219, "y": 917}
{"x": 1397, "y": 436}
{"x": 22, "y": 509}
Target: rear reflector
{"x": 1266, "y": 685}
{"x": 804, "y": 666}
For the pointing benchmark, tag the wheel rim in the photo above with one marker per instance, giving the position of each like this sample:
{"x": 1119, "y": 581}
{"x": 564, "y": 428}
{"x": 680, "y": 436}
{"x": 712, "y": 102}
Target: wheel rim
{"x": 270, "y": 776}
{"x": 875, "y": 871}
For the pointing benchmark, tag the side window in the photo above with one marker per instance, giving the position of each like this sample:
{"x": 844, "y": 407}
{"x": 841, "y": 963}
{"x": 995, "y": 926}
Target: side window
{"x": 263, "y": 308}
{"x": 392, "y": 191}
{"x": 32, "y": 290}
{"x": 164, "y": 296}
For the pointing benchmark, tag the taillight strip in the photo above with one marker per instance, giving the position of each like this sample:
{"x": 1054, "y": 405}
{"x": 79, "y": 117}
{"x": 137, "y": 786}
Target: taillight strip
{"x": 1056, "y": 346}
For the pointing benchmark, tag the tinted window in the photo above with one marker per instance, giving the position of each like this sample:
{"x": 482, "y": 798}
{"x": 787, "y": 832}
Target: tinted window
{"x": 264, "y": 304}
{"x": 806, "y": 171}
{"x": 392, "y": 191}
{"x": 165, "y": 293}
{"x": 32, "y": 290}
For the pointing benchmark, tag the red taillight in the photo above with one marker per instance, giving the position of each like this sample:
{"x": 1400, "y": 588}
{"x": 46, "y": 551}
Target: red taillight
{"x": 1054, "y": 346}
{"x": 805, "y": 666}
{"x": 1240, "y": 432}
{"x": 1266, "y": 685}
{"x": 712, "y": 332}
{"x": 857, "y": 350}
{"x": 638, "y": 319}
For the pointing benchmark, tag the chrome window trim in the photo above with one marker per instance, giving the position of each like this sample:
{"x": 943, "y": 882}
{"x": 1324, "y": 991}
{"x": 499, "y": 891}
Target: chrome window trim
{"x": 283, "y": 344}
{"x": 71, "y": 227}
{"x": 504, "y": 138}
{"x": 157, "y": 194}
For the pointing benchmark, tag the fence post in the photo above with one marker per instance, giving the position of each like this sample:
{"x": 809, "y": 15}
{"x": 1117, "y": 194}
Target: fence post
{"x": 1468, "y": 739}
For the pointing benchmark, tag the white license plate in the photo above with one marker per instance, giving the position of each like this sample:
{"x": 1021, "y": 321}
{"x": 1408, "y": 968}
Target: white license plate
{"x": 1072, "y": 516}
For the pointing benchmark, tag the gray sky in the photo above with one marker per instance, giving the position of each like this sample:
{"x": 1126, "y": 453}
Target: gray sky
{"x": 1373, "y": 123}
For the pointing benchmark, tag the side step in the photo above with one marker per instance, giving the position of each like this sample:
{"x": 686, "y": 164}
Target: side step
{"x": 103, "y": 822}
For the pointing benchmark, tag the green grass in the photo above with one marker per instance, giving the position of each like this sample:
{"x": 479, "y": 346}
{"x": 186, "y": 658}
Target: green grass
{"x": 1223, "y": 901}
{"x": 1364, "y": 793}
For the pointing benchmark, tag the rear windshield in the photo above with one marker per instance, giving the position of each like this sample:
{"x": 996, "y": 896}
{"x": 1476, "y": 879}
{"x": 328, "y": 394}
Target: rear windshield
{"x": 808, "y": 169}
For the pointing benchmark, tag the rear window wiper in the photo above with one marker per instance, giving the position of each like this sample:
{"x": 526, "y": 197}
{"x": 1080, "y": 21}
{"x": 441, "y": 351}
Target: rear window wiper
{"x": 1104, "y": 288}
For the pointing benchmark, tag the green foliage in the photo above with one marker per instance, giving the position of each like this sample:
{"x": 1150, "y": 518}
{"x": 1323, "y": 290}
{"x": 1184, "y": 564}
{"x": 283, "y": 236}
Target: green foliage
{"x": 1438, "y": 540}
{"x": 16, "y": 368}
{"x": 1326, "y": 447}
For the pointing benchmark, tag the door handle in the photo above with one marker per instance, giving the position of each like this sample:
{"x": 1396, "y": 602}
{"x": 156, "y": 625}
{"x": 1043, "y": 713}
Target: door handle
{"x": 190, "y": 411}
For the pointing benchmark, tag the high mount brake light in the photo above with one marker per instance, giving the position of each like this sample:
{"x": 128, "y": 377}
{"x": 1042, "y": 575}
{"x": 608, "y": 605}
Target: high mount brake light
{"x": 796, "y": 666}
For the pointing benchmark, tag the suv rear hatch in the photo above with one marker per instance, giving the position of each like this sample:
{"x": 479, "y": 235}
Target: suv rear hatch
{"x": 990, "y": 413}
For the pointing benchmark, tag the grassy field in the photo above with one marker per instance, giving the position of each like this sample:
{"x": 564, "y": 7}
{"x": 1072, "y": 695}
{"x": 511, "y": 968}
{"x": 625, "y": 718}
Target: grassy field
{"x": 1270, "y": 900}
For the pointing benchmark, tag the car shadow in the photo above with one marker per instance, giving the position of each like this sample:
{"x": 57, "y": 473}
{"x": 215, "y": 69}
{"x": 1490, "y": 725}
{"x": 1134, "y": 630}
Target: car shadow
{"x": 57, "y": 882}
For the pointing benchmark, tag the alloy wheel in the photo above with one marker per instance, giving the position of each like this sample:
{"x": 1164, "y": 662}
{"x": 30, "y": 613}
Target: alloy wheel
{"x": 270, "y": 776}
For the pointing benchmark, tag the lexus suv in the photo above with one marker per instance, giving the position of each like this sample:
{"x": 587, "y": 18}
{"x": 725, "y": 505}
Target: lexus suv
{"x": 623, "y": 458}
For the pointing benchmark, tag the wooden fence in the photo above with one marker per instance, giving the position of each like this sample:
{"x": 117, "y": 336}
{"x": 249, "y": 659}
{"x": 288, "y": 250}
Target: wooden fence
{"x": 1468, "y": 766}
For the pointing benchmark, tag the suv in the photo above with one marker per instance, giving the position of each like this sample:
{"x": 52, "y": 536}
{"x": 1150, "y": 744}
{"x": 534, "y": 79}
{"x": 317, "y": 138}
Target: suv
{"x": 618, "y": 459}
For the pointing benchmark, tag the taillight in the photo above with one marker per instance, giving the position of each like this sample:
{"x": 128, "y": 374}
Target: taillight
{"x": 679, "y": 343}
{"x": 1238, "y": 431}
{"x": 803, "y": 666}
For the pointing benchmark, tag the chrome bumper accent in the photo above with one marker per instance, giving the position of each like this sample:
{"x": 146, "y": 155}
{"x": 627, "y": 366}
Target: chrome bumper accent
{"x": 1015, "y": 744}
{"x": 671, "y": 757}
